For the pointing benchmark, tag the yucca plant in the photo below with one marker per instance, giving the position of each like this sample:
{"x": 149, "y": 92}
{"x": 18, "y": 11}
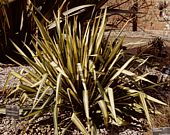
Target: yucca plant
{"x": 80, "y": 79}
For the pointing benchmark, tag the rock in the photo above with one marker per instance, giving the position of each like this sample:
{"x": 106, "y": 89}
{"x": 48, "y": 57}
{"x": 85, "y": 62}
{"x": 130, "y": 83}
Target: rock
{"x": 5, "y": 133}
{"x": 166, "y": 70}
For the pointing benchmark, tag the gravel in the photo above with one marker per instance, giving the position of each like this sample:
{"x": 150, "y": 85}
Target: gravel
{"x": 4, "y": 73}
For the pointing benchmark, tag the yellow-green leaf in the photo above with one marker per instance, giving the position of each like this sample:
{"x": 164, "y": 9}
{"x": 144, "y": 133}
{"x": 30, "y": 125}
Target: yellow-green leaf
{"x": 145, "y": 108}
{"x": 103, "y": 108}
{"x": 79, "y": 124}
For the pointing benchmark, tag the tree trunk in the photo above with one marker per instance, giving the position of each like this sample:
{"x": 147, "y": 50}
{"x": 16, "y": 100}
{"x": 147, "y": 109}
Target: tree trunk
{"x": 134, "y": 16}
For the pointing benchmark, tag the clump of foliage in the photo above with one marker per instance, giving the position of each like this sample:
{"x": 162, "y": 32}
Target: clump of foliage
{"x": 159, "y": 47}
{"x": 81, "y": 80}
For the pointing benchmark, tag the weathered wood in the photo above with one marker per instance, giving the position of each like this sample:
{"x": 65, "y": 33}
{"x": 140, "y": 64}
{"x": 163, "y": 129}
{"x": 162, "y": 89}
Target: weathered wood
{"x": 12, "y": 111}
{"x": 161, "y": 131}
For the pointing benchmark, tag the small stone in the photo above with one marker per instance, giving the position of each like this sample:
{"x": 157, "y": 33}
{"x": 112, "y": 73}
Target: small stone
{"x": 5, "y": 133}
{"x": 1, "y": 126}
